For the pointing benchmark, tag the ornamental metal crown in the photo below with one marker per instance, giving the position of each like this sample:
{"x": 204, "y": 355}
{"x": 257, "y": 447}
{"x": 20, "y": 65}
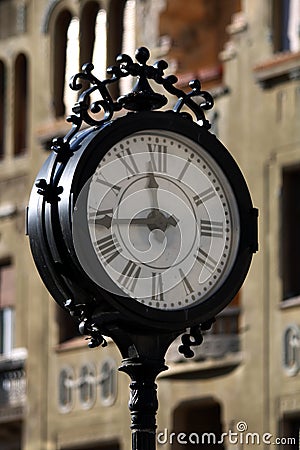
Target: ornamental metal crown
{"x": 141, "y": 98}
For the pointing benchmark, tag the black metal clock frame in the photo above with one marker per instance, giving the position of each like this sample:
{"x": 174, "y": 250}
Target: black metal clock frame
{"x": 142, "y": 334}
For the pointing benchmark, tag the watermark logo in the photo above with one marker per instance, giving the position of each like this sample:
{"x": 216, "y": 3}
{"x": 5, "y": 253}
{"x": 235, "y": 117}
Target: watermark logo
{"x": 239, "y": 436}
{"x": 241, "y": 426}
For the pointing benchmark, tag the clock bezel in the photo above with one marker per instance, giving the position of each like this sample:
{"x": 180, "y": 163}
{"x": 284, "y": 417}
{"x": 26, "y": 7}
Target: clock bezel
{"x": 83, "y": 164}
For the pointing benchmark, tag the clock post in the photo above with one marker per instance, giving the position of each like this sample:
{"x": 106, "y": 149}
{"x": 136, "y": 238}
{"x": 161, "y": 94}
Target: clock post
{"x": 141, "y": 225}
{"x": 143, "y": 368}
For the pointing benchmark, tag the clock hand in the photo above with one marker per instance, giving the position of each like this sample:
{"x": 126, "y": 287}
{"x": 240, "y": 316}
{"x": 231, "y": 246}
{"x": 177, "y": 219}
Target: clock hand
{"x": 157, "y": 220}
{"x": 104, "y": 221}
{"x": 171, "y": 220}
{"x": 156, "y": 213}
{"x": 152, "y": 220}
{"x": 153, "y": 186}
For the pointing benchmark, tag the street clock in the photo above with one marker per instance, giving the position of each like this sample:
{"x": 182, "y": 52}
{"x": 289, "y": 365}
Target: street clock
{"x": 144, "y": 217}
{"x": 141, "y": 225}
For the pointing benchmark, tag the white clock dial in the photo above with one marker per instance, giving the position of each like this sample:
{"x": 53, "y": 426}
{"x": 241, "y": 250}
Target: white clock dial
{"x": 163, "y": 220}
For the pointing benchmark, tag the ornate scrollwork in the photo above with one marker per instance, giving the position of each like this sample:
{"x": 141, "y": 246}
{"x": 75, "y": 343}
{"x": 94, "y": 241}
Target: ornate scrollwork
{"x": 193, "y": 338}
{"x": 86, "y": 326}
{"x": 141, "y": 98}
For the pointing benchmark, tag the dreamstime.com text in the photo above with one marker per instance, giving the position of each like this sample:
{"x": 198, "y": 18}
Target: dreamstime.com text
{"x": 239, "y": 436}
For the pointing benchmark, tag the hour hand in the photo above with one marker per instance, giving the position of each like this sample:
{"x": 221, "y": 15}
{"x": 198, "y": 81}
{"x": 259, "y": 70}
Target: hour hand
{"x": 153, "y": 186}
{"x": 155, "y": 221}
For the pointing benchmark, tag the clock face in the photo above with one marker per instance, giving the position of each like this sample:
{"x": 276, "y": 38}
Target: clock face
{"x": 162, "y": 219}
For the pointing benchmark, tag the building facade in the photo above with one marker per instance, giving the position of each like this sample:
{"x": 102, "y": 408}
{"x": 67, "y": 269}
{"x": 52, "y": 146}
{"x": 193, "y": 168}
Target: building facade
{"x": 55, "y": 392}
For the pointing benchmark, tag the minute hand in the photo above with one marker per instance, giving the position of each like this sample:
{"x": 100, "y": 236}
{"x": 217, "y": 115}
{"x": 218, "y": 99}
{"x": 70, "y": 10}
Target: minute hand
{"x": 164, "y": 221}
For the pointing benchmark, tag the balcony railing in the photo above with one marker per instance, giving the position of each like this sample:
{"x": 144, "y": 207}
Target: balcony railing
{"x": 221, "y": 340}
{"x": 12, "y": 385}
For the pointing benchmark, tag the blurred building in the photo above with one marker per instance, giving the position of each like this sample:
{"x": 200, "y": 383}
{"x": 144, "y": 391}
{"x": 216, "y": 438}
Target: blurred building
{"x": 55, "y": 393}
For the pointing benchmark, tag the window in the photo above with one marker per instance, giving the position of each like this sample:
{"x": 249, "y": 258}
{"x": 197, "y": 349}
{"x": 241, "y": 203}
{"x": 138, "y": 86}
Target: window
{"x": 20, "y": 105}
{"x": 72, "y": 64}
{"x": 13, "y": 18}
{"x": 66, "y": 389}
{"x": 2, "y": 108}
{"x": 128, "y": 41}
{"x": 286, "y": 22}
{"x": 115, "y": 24}
{"x": 108, "y": 382}
{"x": 67, "y": 326}
{"x": 99, "y": 446}
{"x": 289, "y": 427}
{"x": 93, "y": 41}
{"x": 7, "y": 298}
{"x": 227, "y": 321}
{"x": 199, "y": 419}
{"x": 92, "y": 35}
{"x": 291, "y": 347}
{"x": 197, "y": 34}
{"x": 60, "y": 37}
{"x": 290, "y": 237}
{"x": 99, "y": 49}
{"x": 87, "y": 391}
{"x": 6, "y": 330}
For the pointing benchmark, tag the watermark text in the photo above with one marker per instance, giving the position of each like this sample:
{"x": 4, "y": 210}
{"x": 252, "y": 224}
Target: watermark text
{"x": 239, "y": 436}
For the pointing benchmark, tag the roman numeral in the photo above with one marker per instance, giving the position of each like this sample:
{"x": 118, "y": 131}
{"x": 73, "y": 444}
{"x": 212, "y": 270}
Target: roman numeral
{"x": 157, "y": 287}
{"x": 186, "y": 284}
{"x": 211, "y": 228}
{"x": 108, "y": 248}
{"x": 128, "y": 162}
{"x": 207, "y": 261}
{"x": 204, "y": 196}
{"x": 115, "y": 188}
{"x": 130, "y": 275}
{"x": 159, "y": 164}
{"x": 184, "y": 169}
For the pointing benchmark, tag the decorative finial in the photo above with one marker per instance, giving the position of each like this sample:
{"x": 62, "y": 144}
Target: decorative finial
{"x": 142, "y": 97}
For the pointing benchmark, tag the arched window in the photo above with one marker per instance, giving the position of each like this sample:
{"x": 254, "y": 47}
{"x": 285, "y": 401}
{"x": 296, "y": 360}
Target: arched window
{"x": 87, "y": 389}
{"x": 72, "y": 64}
{"x": 7, "y": 306}
{"x": 66, "y": 389}
{"x": 115, "y": 24}
{"x": 60, "y": 38}
{"x": 100, "y": 35}
{"x": 285, "y": 25}
{"x": 108, "y": 382}
{"x": 20, "y": 104}
{"x": 2, "y": 108}
{"x": 93, "y": 39}
{"x": 291, "y": 346}
{"x": 88, "y": 20}
{"x": 99, "y": 51}
{"x": 128, "y": 40}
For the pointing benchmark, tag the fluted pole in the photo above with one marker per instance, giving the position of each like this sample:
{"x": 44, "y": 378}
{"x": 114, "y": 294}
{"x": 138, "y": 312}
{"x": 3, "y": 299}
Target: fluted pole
{"x": 143, "y": 402}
